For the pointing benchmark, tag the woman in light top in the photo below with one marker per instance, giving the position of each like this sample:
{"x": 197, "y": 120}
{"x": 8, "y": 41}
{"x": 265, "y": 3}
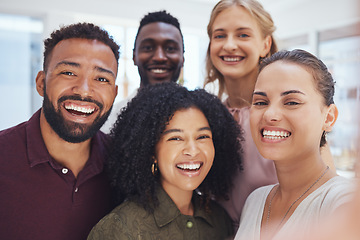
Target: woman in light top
{"x": 167, "y": 143}
{"x": 292, "y": 110}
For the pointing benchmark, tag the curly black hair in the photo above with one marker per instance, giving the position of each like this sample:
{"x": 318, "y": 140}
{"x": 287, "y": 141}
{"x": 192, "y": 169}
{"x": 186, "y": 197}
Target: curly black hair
{"x": 159, "y": 16}
{"x": 78, "y": 30}
{"x": 139, "y": 127}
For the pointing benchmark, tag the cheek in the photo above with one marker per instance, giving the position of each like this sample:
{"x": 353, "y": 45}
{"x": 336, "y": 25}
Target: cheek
{"x": 255, "y": 118}
{"x": 214, "y": 47}
{"x": 176, "y": 58}
{"x": 141, "y": 58}
{"x": 107, "y": 96}
{"x": 209, "y": 152}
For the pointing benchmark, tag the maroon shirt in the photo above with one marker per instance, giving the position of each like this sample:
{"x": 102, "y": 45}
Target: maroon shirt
{"x": 40, "y": 199}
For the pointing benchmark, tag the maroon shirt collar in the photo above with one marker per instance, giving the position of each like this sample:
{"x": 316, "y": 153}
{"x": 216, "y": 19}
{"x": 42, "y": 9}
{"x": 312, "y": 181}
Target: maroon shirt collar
{"x": 38, "y": 153}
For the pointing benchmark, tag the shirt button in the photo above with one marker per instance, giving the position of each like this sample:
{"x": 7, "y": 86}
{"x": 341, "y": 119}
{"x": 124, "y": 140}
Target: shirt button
{"x": 64, "y": 170}
{"x": 76, "y": 189}
{"x": 189, "y": 224}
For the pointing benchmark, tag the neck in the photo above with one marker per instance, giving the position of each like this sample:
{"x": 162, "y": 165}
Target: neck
{"x": 297, "y": 176}
{"x": 182, "y": 199}
{"x": 70, "y": 155}
{"x": 240, "y": 90}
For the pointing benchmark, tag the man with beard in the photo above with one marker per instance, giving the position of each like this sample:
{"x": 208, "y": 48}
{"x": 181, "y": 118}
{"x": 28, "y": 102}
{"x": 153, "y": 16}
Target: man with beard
{"x": 51, "y": 176}
{"x": 158, "y": 53}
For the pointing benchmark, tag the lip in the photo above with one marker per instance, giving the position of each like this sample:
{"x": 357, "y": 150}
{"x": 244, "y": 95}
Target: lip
{"x": 79, "y": 111}
{"x": 232, "y": 59}
{"x": 274, "y": 135}
{"x": 159, "y": 71}
{"x": 190, "y": 169}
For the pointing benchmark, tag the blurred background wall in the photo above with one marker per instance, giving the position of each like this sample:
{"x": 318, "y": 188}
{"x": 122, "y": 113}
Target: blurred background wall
{"x": 329, "y": 29}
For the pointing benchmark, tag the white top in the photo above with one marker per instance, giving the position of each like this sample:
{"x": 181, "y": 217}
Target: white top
{"x": 320, "y": 203}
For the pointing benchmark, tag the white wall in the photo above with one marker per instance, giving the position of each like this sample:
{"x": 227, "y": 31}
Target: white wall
{"x": 292, "y": 17}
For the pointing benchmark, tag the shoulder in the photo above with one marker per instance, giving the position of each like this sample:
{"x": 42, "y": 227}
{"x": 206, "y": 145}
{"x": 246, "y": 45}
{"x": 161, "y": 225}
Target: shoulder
{"x": 256, "y": 200}
{"x": 260, "y": 192}
{"x": 13, "y": 138}
{"x": 218, "y": 211}
{"x": 120, "y": 223}
{"x": 220, "y": 221}
{"x": 338, "y": 189}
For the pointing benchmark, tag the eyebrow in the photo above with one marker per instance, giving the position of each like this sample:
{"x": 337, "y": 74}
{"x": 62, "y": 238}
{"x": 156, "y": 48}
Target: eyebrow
{"x": 104, "y": 70}
{"x": 282, "y": 94}
{"x": 238, "y": 29}
{"x": 292, "y": 91}
{"x": 67, "y": 63}
{"x": 180, "y": 130}
{"x": 74, "y": 64}
{"x": 169, "y": 40}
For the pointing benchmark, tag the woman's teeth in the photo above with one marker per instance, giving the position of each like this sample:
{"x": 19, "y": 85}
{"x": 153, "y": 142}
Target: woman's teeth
{"x": 275, "y": 134}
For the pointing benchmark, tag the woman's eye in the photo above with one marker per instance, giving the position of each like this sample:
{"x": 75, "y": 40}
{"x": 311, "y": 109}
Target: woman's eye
{"x": 259, "y": 103}
{"x": 203, "y": 137}
{"x": 292, "y": 103}
{"x": 243, "y": 35}
{"x": 174, "y": 139}
{"x": 219, "y": 36}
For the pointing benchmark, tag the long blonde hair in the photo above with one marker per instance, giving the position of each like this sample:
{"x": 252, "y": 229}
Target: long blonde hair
{"x": 264, "y": 21}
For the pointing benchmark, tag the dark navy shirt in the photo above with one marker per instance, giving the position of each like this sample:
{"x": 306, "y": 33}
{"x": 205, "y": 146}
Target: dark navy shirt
{"x": 39, "y": 198}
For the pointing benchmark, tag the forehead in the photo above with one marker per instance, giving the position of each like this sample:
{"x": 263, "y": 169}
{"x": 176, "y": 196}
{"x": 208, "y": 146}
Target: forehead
{"x": 235, "y": 16}
{"x": 83, "y": 49}
{"x": 190, "y": 117}
{"x": 76, "y": 46}
{"x": 159, "y": 31}
{"x": 283, "y": 76}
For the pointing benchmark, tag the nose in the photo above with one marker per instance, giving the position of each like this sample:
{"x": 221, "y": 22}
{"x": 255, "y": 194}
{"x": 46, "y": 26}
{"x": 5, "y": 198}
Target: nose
{"x": 272, "y": 114}
{"x": 191, "y": 149}
{"x": 83, "y": 86}
{"x": 159, "y": 54}
{"x": 230, "y": 44}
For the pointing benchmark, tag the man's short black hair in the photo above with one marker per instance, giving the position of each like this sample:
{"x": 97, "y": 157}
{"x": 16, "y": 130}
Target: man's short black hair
{"x": 78, "y": 30}
{"x": 159, "y": 16}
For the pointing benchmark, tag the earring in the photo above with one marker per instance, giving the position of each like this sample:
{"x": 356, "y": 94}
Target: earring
{"x": 154, "y": 167}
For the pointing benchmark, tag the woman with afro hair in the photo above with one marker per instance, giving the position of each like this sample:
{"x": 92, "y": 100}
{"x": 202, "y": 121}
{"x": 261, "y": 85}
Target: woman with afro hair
{"x": 173, "y": 152}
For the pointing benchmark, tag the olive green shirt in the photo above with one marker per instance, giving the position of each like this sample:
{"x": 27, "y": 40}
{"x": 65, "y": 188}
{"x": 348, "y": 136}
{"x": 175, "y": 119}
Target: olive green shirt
{"x": 131, "y": 221}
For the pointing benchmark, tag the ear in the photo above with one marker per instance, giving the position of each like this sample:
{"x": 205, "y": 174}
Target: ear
{"x": 40, "y": 83}
{"x": 134, "y": 57}
{"x": 183, "y": 61}
{"x": 267, "y": 42}
{"x": 331, "y": 116}
{"x": 116, "y": 90}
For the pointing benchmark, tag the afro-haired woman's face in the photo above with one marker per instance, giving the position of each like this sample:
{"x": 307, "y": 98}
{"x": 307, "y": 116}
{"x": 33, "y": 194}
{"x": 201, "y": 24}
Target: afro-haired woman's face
{"x": 185, "y": 152}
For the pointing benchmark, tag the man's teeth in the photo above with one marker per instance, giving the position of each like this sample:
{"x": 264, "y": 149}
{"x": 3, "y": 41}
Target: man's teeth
{"x": 158, "y": 70}
{"x": 192, "y": 166}
{"x": 87, "y": 110}
{"x": 275, "y": 134}
{"x": 232, "y": 59}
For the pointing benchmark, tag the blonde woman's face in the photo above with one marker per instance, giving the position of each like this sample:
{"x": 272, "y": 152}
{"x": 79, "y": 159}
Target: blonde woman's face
{"x": 237, "y": 43}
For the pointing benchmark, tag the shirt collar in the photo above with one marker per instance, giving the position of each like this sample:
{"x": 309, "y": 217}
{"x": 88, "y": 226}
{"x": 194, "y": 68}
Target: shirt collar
{"x": 38, "y": 153}
{"x": 167, "y": 211}
{"x": 36, "y": 149}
